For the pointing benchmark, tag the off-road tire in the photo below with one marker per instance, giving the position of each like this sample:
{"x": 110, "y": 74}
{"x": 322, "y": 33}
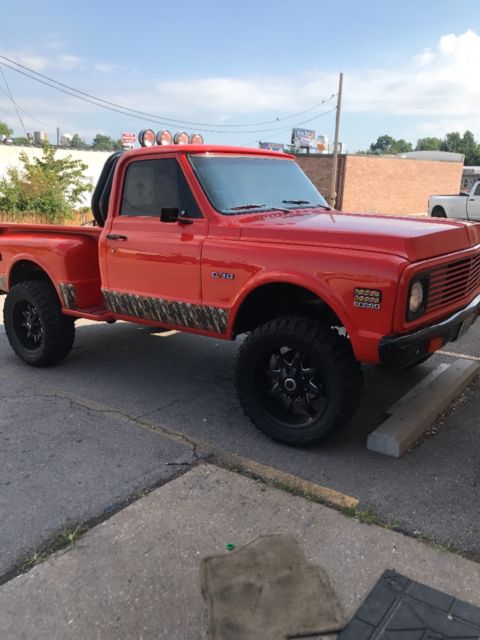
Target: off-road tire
{"x": 334, "y": 359}
{"x": 55, "y": 332}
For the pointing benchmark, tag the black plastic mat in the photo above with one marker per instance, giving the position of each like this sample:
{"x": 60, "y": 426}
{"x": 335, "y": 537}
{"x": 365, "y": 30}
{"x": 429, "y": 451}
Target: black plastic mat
{"x": 398, "y": 608}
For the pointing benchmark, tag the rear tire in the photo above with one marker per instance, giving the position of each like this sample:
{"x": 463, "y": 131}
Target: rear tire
{"x": 36, "y": 328}
{"x": 298, "y": 380}
{"x": 438, "y": 212}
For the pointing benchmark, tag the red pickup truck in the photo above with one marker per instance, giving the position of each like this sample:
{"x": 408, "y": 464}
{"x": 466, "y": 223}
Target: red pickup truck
{"x": 224, "y": 241}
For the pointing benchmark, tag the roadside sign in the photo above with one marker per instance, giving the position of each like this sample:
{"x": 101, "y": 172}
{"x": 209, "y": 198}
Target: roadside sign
{"x": 303, "y": 137}
{"x": 273, "y": 146}
{"x": 128, "y": 140}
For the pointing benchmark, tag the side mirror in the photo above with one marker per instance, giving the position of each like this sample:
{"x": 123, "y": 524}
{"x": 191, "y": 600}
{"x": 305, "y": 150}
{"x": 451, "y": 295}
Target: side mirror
{"x": 169, "y": 214}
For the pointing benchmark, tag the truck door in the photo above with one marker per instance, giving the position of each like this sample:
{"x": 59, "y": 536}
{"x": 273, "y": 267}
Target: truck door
{"x": 473, "y": 203}
{"x": 153, "y": 266}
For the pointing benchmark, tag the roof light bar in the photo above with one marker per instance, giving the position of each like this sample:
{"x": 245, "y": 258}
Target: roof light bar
{"x": 148, "y": 138}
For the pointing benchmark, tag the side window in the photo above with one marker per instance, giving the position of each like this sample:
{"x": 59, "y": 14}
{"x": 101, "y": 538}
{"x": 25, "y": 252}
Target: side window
{"x": 151, "y": 185}
{"x": 477, "y": 190}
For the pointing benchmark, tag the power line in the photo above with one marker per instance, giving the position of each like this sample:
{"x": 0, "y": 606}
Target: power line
{"x": 10, "y": 95}
{"x": 69, "y": 90}
{"x": 29, "y": 115}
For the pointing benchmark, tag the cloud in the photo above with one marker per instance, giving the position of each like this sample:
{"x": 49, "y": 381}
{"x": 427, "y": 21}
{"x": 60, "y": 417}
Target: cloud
{"x": 107, "y": 67}
{"x": 68, "y": 62}
{"x": 436, "y": 82}
{"x": 439, "y": 82}
{"x": 434, "y": 91}
{"x": 35, "y": 62}
{"x": 53, "y": 43}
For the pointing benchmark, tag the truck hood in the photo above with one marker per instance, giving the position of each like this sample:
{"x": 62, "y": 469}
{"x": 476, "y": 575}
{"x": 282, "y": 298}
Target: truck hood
{"x": 411, "y": 238}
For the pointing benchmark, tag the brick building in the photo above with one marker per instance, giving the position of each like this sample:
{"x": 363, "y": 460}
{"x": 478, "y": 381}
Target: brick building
{"x": 383, "y": 184}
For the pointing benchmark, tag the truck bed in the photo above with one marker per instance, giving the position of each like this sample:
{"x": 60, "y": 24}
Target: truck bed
{"x": 66, "y": 255}
{"x": 7, "y": 228}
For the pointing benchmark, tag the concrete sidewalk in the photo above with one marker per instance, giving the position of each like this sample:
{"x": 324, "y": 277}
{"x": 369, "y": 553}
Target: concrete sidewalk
{"x": 136, "y": 576}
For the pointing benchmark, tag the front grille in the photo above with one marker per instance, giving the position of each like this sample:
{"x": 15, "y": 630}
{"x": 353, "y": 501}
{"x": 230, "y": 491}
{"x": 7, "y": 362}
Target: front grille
{"x": 454, "y": 281}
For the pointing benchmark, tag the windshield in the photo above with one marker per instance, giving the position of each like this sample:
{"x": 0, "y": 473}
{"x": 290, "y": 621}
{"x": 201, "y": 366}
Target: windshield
{"x": 237, "y": 184}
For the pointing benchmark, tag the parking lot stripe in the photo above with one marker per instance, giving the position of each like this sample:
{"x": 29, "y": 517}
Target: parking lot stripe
{"x": 452, "y": 354}
{"x": 214, "y": 455}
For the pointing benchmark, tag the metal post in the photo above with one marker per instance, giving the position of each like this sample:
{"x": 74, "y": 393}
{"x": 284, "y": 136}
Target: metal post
{"x": 333, "y": 187}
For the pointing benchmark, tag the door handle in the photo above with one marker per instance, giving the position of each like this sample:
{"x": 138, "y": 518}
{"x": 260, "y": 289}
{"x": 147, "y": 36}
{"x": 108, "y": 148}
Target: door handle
{"x": 115, "y": 236}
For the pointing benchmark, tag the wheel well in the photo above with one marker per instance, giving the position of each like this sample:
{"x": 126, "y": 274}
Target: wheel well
{"x": 24, "y": 270}
{"x": 438, "y": 212}
{"x": 280, "y": 299}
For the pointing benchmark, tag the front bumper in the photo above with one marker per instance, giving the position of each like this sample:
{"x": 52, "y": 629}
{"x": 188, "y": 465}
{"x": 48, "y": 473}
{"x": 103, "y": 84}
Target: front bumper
{"x": 400, "y": 351}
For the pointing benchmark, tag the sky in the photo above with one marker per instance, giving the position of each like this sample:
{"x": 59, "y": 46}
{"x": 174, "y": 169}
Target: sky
{"x": 240, "y": 72}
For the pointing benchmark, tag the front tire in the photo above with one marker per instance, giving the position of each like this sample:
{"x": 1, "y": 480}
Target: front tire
{"x": 298, "y": 380}
{"x": 36, "y": 328}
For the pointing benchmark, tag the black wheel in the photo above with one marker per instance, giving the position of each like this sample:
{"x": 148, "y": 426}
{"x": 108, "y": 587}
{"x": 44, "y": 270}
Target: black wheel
{"x": 36, "y": 328}
{"x": 298, "y": 380}
{"x": 438, "y": 212}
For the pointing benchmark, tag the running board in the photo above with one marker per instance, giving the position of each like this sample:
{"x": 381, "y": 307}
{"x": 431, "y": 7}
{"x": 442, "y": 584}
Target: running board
{"x": 100, "y": 314}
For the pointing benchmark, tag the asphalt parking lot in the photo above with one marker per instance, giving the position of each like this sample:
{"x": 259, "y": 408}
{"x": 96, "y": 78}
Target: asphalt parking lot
{"x": 80, "y": 438}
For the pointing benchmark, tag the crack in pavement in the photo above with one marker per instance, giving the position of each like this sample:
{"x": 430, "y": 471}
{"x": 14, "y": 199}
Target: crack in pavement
{"x": 171, "y": 434}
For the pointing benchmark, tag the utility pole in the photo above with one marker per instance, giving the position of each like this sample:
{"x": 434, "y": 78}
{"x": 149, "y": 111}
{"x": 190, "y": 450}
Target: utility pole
{"x": 333, "y": 187}
{"x": 58, "y": 136}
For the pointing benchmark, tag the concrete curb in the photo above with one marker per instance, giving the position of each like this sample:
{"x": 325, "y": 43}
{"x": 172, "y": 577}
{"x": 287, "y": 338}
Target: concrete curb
{"x": 415, "y": 411}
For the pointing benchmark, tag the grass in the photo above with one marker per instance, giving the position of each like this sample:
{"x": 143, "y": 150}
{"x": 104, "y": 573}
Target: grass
{"x": 63, "y": 540}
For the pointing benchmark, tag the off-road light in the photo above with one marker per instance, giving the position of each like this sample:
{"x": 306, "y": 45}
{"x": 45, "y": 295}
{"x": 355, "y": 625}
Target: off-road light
{"x": 180, "y": 137}
{"x": 164, "y": 137}
{"x": 146, "y": 138}
{"x": 196, "y": 138}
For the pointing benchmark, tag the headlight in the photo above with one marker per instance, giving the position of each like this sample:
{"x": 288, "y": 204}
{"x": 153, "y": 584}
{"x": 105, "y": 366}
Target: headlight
{"x": 417, "y": 298}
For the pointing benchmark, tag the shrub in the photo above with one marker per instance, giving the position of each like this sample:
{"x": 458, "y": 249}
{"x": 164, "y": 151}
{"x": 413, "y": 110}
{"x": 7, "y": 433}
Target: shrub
{"x": 47, "y": 185}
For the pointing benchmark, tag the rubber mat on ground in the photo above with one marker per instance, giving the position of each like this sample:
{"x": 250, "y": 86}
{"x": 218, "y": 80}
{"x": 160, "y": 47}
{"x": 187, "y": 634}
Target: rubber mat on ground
{"x": 267, "y": 590}
{"x": 398, "y": 608}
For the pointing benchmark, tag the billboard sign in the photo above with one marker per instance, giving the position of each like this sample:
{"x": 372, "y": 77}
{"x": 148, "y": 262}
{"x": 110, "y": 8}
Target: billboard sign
{"x": 272, "y": 146}
{"x": 303, "y": 137}
{"x": 128, "y": 140}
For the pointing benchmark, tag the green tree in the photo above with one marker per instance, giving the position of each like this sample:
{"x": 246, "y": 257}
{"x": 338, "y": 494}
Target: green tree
{"x": 428, "y": 144}
{"x": 387, "y": 144}
{"x": 465, "y": 144}
{"x": 77, "y": 142}
{"x": 21, "y": 140}
{"x": 471, "y": 149}
{"x": 105, "y": 143}
{"x": 5, "y": 130}
{"x": 47, "y": 185}
{"x": 452, "y": 142}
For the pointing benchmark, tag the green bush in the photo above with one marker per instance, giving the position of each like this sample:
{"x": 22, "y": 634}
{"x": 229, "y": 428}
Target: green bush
{"x": 48, "y": 186}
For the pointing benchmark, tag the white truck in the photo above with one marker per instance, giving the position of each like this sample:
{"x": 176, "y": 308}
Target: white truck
{"x": 464, "y": 205}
